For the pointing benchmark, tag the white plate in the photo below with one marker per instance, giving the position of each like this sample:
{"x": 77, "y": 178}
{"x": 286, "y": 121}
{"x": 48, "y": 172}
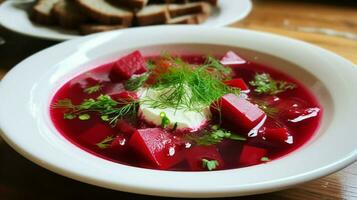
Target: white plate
{"x": 14, "y": 16}
{"x": 26, "y": 91}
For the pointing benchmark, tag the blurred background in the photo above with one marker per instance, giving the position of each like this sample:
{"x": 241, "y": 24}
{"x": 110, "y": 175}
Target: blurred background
{"x": 331, "y": 24}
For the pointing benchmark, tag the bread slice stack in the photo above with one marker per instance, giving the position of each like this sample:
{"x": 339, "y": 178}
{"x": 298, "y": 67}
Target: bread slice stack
{"x": 91, "y": 16}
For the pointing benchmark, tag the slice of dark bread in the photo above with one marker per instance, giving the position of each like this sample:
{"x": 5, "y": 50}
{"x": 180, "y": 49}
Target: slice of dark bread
{"x": 168, "y": 1}
{"x": 106, "y": 12}
{"x": 133, "y": 4}
{"x": 41, "y": 11}
{"x": 212, "y": 2}
{"x": 189, "y": 19}
{"x": 86, "y": 29}
{"x": 152, "y": 14}
{"x": 177, "y": 10}
{"x": 68, "y": 14}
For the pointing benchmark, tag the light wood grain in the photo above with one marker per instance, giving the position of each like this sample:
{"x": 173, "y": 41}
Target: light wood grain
{"x": 20, "y": 179}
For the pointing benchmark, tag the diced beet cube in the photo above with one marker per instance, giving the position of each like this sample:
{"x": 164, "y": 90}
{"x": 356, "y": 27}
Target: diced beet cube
{"x": 119, "y": 144}
{"x": 125, "y": 127}
{"x": 128, "y": 65}
{"x": 251, "y": 155}
{"x": 232, "y": 59}
{"x": 237, "y": 83}
{"x": 125, "y": 96}
{"x": 96, "y": 134}
{"x": 240, "y": 112}
{"x": 276, "y": 134}
{"x": 195, "y": 155}
{"x": 157, "y": 147}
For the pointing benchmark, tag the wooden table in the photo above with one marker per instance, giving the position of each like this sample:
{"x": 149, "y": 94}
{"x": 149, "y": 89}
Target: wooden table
{"x": 21, "y": 179}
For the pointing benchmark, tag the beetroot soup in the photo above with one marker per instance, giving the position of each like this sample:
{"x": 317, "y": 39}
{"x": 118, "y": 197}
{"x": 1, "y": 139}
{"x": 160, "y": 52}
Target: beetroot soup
{"x": 187, "y": 113}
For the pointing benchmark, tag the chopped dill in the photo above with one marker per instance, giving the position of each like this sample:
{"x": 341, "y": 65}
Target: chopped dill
{"x": 135, "y": 83}
{"x": 109, "y": 109}
{"x": 215, "y": 136}
{"x": 189, "y": 87}
{"x": 93, "y": 89}
{"x": 105, "y": 143}
{"x": 264, "y": 84}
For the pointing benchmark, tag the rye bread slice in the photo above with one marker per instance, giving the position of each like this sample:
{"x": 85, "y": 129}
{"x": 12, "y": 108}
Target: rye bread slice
{"x": 86, "y": 29}
{"x": 152, "y": 14}
{"x": 106, "y": 12}
{"x": 68, "y": 14}
{"x": 177, "y": 10}
{"x": 189, "y": 19}
{"x": 169, "y": 1}
{"x": 212, "y": 2}
{"x": 41, "y": 11}
{"x": 133, "y": 4}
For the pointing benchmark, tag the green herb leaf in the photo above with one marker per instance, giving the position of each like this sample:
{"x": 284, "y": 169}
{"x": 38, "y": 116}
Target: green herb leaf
{"x": 68, "y": 116}
{"x": 265, "y": 159}
{"x": 105, "y": 118}
{"x": 150, "y": 64}
{"x": 84, "y": 117}
{"x": 93, "y": 89}
{"x": 165, "y": 121}
{"x": 135, "y": 83}
{"x": 216, "y": 64}
{"x": 109, "y": 109}
{"x": 237, "y": 137}
{"x": 64, "y": 103}
{"x": 105, "y": 143}
{"x": 190, "y": 87}
{"x": 210, "y": 164}
{"x": 214, "y": 136}
{"x": 264, "y": 84}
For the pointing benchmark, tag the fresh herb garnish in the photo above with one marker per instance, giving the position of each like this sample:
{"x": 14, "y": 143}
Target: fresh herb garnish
{"x": 84, "y": 117}
{"x": 215, "y": 64}
{"x": 264, "y": 84}
{"x": 189, "y": 87}
{"x": 209, "y": 164}
{"x": 165, "y": 121}
{"x": 136, "y": 82}
{"x": 265, "y": 159}
{"x": 150, "y": 64}
{"x": 215, "y": 136}
{"x": 105, "y": 143}
{"x": 109, "y": 109}
{"x": 93, "y": 89}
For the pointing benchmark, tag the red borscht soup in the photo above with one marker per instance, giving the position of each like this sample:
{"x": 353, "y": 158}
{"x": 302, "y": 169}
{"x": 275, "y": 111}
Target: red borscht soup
{"x": 185, "y": 113}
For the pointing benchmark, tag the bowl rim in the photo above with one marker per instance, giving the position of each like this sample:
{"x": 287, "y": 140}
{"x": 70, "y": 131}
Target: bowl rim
{"x": 198, "y": 186}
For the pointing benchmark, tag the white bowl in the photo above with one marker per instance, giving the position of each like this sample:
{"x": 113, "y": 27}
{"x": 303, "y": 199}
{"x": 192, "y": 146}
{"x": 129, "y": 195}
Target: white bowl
{"x": 26, "y": 91}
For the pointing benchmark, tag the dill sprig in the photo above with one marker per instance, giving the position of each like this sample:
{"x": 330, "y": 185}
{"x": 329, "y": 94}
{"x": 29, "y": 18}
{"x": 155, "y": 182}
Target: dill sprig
{"x": 109, "y": 109}
{"x": 214, "y": 136}
{"x": 264, "y": 84}
{"x": 190, "y": 87}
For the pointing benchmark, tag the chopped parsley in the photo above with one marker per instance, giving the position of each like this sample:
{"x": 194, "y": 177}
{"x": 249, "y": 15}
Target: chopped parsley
{"x": 214, "y": 137}
{"x": 84, "y": 117}
{"x": 265, "y": 159}
{"x": 136, "y": 82}
{"x": 209, "y": 164}
{"x": 93, "y": 89}
{"x": 165, "y": 121}
{"x": 105, "y": 143}
{"x": 264, "y": 84}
